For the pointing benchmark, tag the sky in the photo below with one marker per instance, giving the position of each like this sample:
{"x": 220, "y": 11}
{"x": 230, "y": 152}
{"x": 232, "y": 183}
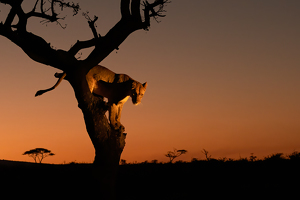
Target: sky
{"x": 222, "y": 76}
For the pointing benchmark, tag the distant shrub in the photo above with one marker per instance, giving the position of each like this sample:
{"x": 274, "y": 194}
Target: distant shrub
{"x": 212, "y": 160}
{"x": 72, "y": 163}
{"x": 294, "y": 156}
{"x": 275, "y": 157}
{"x": 252, "y": 158}
{"x": 145, "y": 162}
{"x": 154, "y": 161}
{"x": 123, "y": 162}
{"x": 180, "y": 161}
{"x": 222, "y": 159}
{"x": 243, "y": 159}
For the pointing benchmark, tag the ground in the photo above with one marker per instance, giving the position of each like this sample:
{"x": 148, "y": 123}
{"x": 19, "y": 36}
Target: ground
{"x": 194, "y": 180}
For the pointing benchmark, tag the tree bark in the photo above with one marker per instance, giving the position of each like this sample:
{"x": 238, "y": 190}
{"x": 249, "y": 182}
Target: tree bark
{"x": 108, "y": 142}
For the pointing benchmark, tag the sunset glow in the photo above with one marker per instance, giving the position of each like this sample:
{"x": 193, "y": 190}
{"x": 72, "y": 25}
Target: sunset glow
{"x": 222, "y": 76}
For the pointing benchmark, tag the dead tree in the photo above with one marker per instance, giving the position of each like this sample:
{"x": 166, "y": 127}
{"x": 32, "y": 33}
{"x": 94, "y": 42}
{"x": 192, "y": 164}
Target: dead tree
{"x": 208, "y": 157}
{"x": 108, "y": 143}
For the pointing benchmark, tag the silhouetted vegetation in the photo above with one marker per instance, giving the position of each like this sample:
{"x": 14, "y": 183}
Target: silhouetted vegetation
{"x": 175, "y": 153}
{"x": 123, "y": 162}
{"x": 206, "y": 154}
{"x": 211, "y": 178}
{"x": 294, "y": 156}
{"x": 252, "y": 157}
{"x": 38, "y": 154}
{"x": 219, "y": 178}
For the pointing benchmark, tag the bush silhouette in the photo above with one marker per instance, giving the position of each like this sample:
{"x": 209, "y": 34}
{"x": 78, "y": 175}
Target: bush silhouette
{"x": 294, "y": 156}
{"x": 275, "y": 157}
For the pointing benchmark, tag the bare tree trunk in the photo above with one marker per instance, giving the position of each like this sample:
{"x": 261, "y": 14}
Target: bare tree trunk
{"x": 108, "y": 143}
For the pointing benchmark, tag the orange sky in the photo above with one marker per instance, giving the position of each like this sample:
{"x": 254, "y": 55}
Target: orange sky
{"x": 222, "y": 75}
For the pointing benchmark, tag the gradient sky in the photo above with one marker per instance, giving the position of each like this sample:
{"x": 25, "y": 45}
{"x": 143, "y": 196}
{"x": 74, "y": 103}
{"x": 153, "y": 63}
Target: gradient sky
{"x": 222, "y": 75}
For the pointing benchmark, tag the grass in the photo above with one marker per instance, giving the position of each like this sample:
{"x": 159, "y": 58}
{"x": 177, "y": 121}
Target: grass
{"x": 272, "y": 176}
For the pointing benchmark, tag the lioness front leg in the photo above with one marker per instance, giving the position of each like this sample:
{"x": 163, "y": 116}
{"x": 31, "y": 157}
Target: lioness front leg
{"x": 114, "y": 117}
{"x": 119, "y": 111}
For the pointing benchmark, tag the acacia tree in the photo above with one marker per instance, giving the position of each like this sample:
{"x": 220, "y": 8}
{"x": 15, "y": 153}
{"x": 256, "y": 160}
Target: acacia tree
{"x": 108, "y": 142}
{"x": 175, "y": 153}
{"x": 38, "y": 153}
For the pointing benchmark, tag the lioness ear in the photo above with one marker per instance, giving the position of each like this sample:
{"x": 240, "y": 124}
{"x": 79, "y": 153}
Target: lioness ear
{"x": 145, "y": 85}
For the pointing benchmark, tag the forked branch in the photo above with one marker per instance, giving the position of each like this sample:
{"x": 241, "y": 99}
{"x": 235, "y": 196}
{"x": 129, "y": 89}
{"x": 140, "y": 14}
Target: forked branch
{"x": 92, "y": 24}
{"x": 131, "y": 21}
{"x": 150, "y": 11}
{"x": 39, "y": 50}
{"x": 79, "y": 45}
{"x": 46, "y": 11}
{"x": 53, "y": 16}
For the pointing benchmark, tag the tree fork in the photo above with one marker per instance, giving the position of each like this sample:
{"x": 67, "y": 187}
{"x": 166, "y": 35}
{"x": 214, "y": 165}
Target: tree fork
{"x": 108, "y": 142}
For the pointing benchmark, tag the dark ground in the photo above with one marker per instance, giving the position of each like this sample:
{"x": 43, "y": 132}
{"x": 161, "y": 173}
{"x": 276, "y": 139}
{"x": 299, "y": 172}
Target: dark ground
{"x": 212, "y": 179}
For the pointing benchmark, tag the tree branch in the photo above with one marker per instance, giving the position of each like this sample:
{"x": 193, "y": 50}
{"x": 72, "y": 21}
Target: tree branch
{"x": 10, "y": 17}
{"x": 39, "y": 50}
{"x": 16, "y": 9}
{"x": 34, "y": 7}
{"x": 11, "y": 3}
{"x": 125, "y": 12}
{"x": 53, "y": 16}
{"x": 92, "y": 24}
{"x": 79, "y": 45}
{"x": 129, "y": 22}
{"x": 34, "y": 46}
{"x": 52, "y": 9}
{"x": 42, "y": 6}
{"x": 135, "y": 10}
{"x": 63, "y": 5}
{"x": 155, "y": 14}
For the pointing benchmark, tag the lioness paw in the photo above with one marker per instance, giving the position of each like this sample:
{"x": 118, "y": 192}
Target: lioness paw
{"x": 118, "y": 126}
{"x": 121, "y": 128}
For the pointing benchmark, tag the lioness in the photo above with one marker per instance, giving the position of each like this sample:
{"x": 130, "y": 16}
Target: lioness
{"x": 117, "y": 88}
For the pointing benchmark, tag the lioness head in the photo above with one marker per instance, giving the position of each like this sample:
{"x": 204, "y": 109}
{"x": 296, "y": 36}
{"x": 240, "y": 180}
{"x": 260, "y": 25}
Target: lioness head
{"x": 137, "y": 92}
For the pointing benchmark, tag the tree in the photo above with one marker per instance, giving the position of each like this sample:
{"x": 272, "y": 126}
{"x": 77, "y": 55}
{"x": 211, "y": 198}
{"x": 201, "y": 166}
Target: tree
{"x": 38, "y": 153}
{"x": 108, "y": 142}
{"x": 175, "y": 153}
